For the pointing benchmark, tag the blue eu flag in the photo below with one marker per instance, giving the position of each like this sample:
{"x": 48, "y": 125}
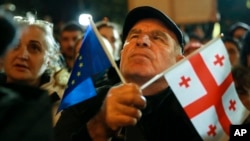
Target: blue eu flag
{"x": 91, "y": 60}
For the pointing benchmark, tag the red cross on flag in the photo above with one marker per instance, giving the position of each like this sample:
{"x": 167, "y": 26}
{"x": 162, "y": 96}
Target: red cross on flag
{"x": 204, "y": 86}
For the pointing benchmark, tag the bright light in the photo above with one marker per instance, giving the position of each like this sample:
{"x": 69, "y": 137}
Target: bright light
{"x": 216, "y": 30}
{"x": 84, "y": 19}
{"x": 248, "y": 4}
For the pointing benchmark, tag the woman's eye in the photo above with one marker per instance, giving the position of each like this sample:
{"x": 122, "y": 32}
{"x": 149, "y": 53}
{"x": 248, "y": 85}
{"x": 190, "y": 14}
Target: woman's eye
{"x": 34, "y": 48}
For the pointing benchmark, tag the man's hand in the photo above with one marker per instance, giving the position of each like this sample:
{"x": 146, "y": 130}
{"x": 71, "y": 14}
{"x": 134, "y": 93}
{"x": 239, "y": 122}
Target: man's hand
{"x": 122, "y": 107}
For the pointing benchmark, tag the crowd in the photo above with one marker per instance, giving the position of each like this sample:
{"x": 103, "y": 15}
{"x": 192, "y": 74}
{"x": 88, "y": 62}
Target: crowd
{"x": 37, "y": 64}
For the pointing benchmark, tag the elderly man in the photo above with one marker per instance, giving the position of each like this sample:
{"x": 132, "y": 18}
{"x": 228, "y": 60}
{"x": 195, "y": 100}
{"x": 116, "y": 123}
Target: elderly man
{"x": 152, "y": 43}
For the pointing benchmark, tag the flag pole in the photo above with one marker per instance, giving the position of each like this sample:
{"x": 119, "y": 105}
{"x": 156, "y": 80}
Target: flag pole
{"x": 172, "y": 67}
{"x": 110, "y": 57}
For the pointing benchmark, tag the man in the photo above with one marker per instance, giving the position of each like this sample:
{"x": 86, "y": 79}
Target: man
{"x": 238, "y": 31}
{"x": 70, "y": 33}
{"x": 152, "y": 43}
{"x": 233, "y": 49}
{"x": 109, "y": 30}
{"x": 241, "y": 76}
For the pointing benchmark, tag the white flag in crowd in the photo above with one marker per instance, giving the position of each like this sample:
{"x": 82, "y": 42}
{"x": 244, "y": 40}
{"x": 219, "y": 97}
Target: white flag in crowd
{"x": 204, "y": 86}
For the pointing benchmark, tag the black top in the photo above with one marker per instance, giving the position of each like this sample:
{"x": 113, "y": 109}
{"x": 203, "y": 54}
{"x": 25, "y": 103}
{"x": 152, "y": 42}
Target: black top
{"x": 162, "y": 119}
{"x": 45, "y": 78}
{"x": 25, "y": 113}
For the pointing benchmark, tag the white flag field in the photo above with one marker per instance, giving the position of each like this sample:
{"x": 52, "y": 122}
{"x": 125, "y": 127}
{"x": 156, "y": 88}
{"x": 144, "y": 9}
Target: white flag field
{"x": 204, "y": 86}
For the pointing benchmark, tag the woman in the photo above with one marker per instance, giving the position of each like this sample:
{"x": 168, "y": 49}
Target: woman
{"x": 35, "y": 61}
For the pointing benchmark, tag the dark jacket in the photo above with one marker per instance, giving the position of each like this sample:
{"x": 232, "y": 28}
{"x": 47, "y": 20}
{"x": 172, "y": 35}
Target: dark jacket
{"x": 25, "y": 114}
{"x": 163, "y": 119}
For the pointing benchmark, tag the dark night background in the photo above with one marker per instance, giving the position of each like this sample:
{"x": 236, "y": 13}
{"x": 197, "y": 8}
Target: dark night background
{"x": 66, "y": 10}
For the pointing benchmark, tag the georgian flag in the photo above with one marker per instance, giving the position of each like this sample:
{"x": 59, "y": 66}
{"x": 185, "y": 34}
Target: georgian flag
{"x": 204, "y": 86}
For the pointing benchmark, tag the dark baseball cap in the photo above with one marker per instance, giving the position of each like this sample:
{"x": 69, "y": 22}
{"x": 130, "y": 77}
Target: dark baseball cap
{"x": 144, "y": 12}
{"x": 237, "y": 26}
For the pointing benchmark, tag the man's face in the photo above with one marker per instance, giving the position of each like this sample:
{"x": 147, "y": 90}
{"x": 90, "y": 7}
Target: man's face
{"x": 67, "y": 41}
{"x": 148, "y": 50}
{"x": 233, "y": 52}
{"x": 239, "y": 33}
{"x": 108, "y": 33}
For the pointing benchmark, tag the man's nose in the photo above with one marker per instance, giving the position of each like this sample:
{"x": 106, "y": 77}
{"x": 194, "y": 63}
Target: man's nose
{"x": 143, "y": 41}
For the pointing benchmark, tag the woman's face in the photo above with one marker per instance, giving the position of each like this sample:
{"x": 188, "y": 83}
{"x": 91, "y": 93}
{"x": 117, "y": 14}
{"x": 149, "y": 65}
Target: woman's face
{"x": 28, "y": 60}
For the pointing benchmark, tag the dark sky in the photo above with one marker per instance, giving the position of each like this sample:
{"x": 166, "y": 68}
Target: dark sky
{"x": 65, "y": 10}
{"x": 58, "y": 9}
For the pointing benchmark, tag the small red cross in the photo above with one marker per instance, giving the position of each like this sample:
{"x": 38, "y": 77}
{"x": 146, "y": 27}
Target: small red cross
{"x": 211, "y": 131}
{"x": 219, "y": 60}
{"x": 232, "y": 105}
{"x": 184, "y": 81}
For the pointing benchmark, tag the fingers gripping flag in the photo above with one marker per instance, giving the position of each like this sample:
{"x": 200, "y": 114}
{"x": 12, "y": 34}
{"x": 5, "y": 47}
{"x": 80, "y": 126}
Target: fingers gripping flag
{"x": 204, "y": 86}
{"x": 91, "y": 60}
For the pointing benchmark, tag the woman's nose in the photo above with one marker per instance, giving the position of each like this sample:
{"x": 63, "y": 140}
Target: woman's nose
{"x": 23, "y": 53}
{"x": 143, "y": 41}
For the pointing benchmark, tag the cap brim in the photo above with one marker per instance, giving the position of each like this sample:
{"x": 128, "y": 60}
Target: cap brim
{"x": 145, "y": 12}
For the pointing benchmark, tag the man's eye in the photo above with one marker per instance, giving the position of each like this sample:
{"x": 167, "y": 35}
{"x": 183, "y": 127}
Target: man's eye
{"x": 134, "y": 36}
{"x": 160, "y": 38}
{"x": 156, "y": 37}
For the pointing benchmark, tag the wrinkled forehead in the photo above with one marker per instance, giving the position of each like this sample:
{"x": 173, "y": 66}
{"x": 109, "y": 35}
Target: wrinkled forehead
{"x": 37, "y": 34}
{"x": 151, "y": 24}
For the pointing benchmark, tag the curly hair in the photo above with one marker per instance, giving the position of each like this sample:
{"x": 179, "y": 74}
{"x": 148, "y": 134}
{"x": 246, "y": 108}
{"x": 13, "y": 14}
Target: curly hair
{"x": 53, "y": 48}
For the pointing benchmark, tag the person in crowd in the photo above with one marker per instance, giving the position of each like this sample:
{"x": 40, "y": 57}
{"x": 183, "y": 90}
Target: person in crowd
{"x": 35, "y": 61}
{"x": 191, "y": 47}
{"x": 102, "y": 78}
{"x": 152, "y": 43}
{"x": 111, "y": 38}
{"x": 241, "y": 76}
{"x": 193, "y": 37}
{"x": 25, "y": 112}
{"x": 7, "y": 27}
{"x": 77, "y": 47}
{"x": 110, "y": 31}
{"x": 245, "y": 51}
{"x": 194, "y": 42}
{"x": 69, "y": 34}
{"x": 233, "y": 49}
{"x": 238, "y": 30}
